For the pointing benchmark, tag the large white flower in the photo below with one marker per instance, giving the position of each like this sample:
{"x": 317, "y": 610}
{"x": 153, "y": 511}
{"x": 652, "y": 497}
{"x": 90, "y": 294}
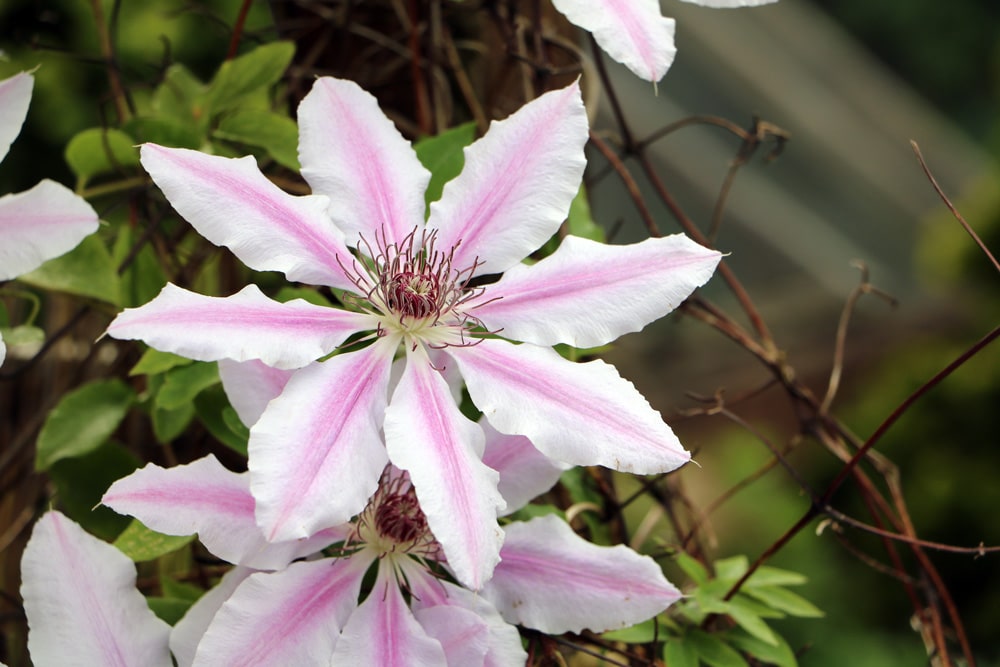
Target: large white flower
{"x": 317, "y": 451}
{"x": 41, "y": 223}
{"x": 633, "y": 32}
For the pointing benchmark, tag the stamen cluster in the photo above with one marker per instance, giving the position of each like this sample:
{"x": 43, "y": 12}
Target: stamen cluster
{"x": 393, "y": 521}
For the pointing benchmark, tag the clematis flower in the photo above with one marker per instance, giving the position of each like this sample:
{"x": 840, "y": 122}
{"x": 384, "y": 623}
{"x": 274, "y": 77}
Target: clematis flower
{"x": 81, "y": 602}
{"x": 44, "y": 222}
{"x": 633, "y": 32}
{"x": 319, "y": 611}
{"x": 416, "y": 288}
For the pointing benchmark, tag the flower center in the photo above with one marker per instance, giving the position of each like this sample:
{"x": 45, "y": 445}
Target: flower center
{"x": 412, "y": 295}
{"x": 393, "y": 521}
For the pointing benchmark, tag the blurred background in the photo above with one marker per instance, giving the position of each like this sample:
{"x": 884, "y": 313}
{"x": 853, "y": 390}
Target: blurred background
{"x": 851, "y": 83}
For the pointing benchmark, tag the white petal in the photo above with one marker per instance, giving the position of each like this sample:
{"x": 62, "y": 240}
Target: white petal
{"x": 524, "y": 471}
{"x": 187, "y": 634}
{"x": 232, "y": 204}
{"x": 242, "y": 327}
{"x": 286, "y": 618}
{"x": 726, "y": 4}
{"x": 517, "y": 184}
{"x": 81, "y": 602}
{"x": 383, "y": 631}
{"x": 41, "y": 223}
{"x": 428, "y": 436}
{"x": 250, "y": 386}
{"x": 15, "y": 95}
{"x": 552, "y": 580}
{"x": 588, "y": 294}
{"x": 205, "y": 498}
{"x": 316, "y": 453}
{"x": 352, "y": 152}
{"x": 631, "y": 31}
{"x": 583, "y": 414}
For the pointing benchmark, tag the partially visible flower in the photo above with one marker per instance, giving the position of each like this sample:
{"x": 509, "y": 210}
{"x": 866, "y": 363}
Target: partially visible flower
{"x": 633, "y": 32}
{"x": 82, "y": 605}
{"x": 318, "y": 611}
{"x": 410, "y": 290}
{"x": 44, "y": 222}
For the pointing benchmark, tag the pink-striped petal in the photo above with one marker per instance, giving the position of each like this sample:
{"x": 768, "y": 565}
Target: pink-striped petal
{"x": 250, "y": 386}
{"x": 316, "y": 453}
{"x": 290, "y": 617}
{"x": 524, "y": 471}
{"x": 517, "y": 184}
{"x": 427, "y": 436}
{"x": 82, "y": 604}
{"x": 232, "y": 204}
{"x": 582, "y": 414}
{"x": 352, "y": 152}
{"x": 205, "y": 498}
{"x": 41, "y": 223}
{"x": 503, "y": 640}
{"x": 461, "y": 633}
{"x": 588, "y": 294}
{"x": 727, "y": 4}
{"x": 244, "y": 326}
{"x": 552, "y": 580}
{"x": 188, "y": 631}
{"x": 15, "y": 96}
{"x": 383, "y": 631}
{"x": 633, "y": 32}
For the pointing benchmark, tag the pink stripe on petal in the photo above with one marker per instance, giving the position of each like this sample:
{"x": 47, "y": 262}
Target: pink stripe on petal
{"x": 588, "y": 294}
{"x": 316, "y": 453}
{"x": 232, "y": 204}
{"x": 553, "y": 580}
{"x": 383, "y": 631}
{"x": 41, "y": 223}
{"x": 15, "y": 96}
{"x": 633, "y": 32}
{"x": 244, "y": 326}
{"x": 582, "y": 414}
{"x": 352, "y": 152}
{"x": 517, "y": 184}
{"x": 82, "y": 604}
{"x": 428, "y": 436}
{"x": 291, "y": 617}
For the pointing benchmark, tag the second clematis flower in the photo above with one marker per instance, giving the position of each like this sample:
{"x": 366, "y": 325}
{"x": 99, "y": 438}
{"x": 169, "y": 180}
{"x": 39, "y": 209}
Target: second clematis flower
{"x": 426, "y": 291}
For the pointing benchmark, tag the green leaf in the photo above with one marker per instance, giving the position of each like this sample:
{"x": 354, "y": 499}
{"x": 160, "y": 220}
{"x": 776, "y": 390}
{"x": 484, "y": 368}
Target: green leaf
{"x": 82, "y": 421}
{"x": 747, "y": 618}
{"x": 169, "y": 610}
{"x": 249, "y": 73}
{"x": 731, "y": 569}
{"x": 140, "y": 543}
{"x": 180, "y": 100}
{"x": 677, "y": 652}
{"x": 779, "y": 654}
{"x": 443, "y": 156}
{"x": 143, "y": 279}
{"x": 100, "y": 151}
{"x": 307, "y": 294}
{"x": 180, "y": 590}
{"x": 81, "y": 481}
{"x": 772, "y": 576}
{"x": 167, "y": 131}
{"x": 714, "y": 651}
{"x": 170, "y": 423}
{"x": 692, "y": 568}
{"x": 221, "y": 420}
{"x": 637, "y": 634}
{"x": 784, "y": 600}
{"x": 580, "y": 222}
{"x": 87, "y": 270}
{"x": 278, "y": 135}
{"x": 24, "y": 334}
{"x": 154, "y": 361}
{"x": 183, "y": 383}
